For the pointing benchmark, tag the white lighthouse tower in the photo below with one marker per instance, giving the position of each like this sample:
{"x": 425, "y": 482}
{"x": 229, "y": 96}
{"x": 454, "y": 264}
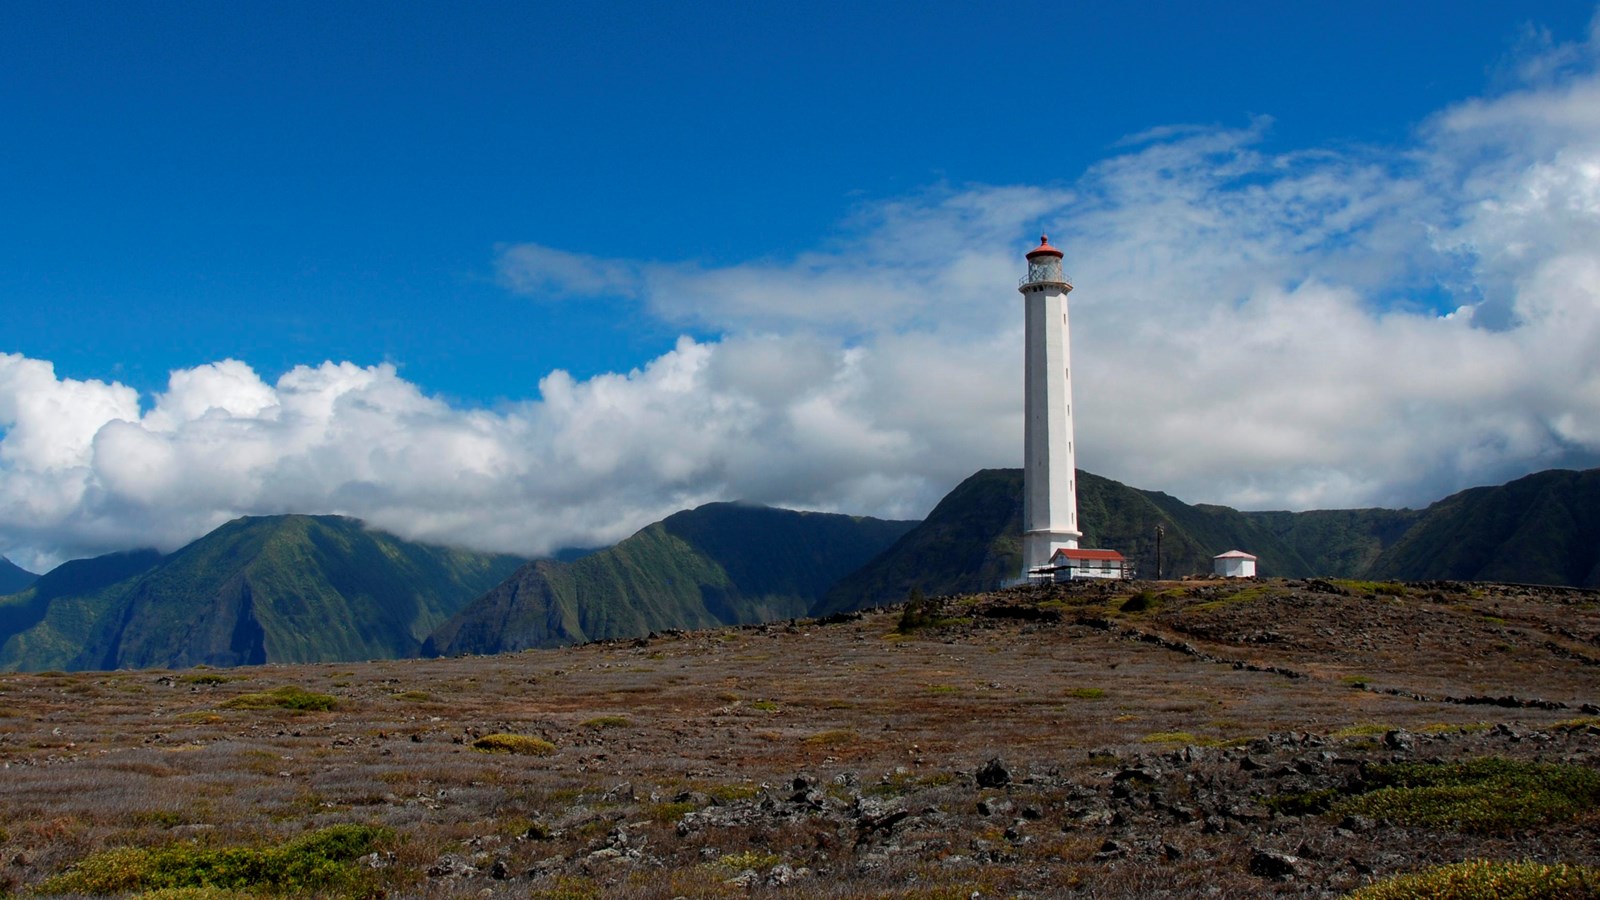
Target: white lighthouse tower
{"x": 1049, "y": 466}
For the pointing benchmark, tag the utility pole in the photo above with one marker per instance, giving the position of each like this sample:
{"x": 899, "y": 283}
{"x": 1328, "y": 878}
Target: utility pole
{"x": 1159, "y": 532}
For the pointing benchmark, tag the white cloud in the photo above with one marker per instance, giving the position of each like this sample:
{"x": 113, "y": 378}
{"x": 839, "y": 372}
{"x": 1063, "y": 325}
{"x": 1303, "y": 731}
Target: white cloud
{"x": 1361, "y": 326}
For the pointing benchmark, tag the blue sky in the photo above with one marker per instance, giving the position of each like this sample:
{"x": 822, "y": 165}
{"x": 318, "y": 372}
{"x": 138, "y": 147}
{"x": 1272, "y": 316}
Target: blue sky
{"x": 480, "y": 195}
{"x": 287, "y": 183}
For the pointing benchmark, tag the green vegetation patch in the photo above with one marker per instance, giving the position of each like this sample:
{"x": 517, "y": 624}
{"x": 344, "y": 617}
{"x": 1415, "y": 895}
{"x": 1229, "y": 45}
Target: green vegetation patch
{"x": 1176, "y": 737}
{"x": 1363, "y": 729}
{"x": 290, "y": 697}
{"x": 1480, "y": 796}
{"x": 919, "y": 613}
{"x": 837, "y": 737}
{"x": 1305, "y": 803}
{"x": 207, "y": 678}
{"x": 1085, "y": 693}
{"x": 749, "y": 859}
{"x": 670, "y": 811}
{"x": 197, "y": 894}
{"x": 523, "y": 744}
{"x": 1379, "y": 588}
{"x": 1482, "y": 879}
{"x": 1243, "y": 595}
{"x": 321, "y": 861}
{"x": 1141, "y": 602}
{"x": 898, "y": 783}
{"x": 728, "y": 793}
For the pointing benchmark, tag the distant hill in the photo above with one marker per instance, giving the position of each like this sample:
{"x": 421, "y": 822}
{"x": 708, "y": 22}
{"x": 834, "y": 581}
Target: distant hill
{"x": 13, "y": 577}
{"x": 256, "y": 590}
{"x": 1543, "y": 528}
{"x": 972, "y": 541}
{"x": 45, "y": 626}
{"x": 326, "y": 588}
{"x": 720, "y": 564}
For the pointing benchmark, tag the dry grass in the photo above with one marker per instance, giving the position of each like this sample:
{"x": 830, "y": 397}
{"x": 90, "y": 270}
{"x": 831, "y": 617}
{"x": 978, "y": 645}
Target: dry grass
{"x": 664, "y": 768}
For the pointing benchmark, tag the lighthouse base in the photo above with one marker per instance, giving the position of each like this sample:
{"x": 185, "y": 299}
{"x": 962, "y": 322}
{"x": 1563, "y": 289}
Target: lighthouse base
{"x": 1039, "y": 546}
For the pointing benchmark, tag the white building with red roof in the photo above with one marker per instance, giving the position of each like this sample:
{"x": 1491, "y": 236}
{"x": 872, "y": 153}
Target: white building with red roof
{"x": 1234, "y": 564}
{"x": 1071, "y": 563}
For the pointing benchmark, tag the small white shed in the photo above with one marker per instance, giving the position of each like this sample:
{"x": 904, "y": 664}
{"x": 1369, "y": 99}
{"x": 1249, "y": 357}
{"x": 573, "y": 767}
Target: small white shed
{"x": 1234, "y": 564}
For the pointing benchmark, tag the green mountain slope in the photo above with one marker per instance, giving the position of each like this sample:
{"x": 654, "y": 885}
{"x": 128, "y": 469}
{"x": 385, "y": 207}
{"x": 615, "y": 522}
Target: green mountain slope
{"x": 1540, "y": 529}
{"x": 267, "y": 589}
{"x": 1343, "y": 542}
{"x": 972, "y": 541}
{"x": 47, "y": 625}
{"x": 720, "y": 564}
{"x": 13, "y": 577}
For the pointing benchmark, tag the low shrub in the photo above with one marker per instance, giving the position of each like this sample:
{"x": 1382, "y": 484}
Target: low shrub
{"x": 1363, "y": 729}
{"x": 749, "y": 859}
{"x": 837, "y": 737}
{"x": 522, "y": 744}
{"x": 290, "y": 697}
{"x": 610, "y": 722}
{"x": 1479, "y": 796}
{"x": 919, "y": 612}
{"x": 321, "y": 861}
{"x": 670, "y": 810}
{"x": 1305, "y": 803}
{"x": 729, "y": 793}
{"x": 197, "y": 894}
{"x": 1171, "y": 737}
{"x": 1138, "y": 602}
{"x": 1482, "y": 879}
{"x": 897, "y": 784}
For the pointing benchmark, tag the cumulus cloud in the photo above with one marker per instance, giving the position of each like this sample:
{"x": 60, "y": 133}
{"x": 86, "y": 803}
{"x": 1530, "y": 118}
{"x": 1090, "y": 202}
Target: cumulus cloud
{"x": 1314, "y": 328}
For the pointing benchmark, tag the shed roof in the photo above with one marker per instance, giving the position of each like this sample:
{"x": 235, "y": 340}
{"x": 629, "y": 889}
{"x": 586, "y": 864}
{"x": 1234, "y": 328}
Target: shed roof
{"x": 1234, "y": 554}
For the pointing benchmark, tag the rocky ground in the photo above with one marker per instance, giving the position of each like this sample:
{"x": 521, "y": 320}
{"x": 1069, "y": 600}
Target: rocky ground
{"x": 1142, "y": 739}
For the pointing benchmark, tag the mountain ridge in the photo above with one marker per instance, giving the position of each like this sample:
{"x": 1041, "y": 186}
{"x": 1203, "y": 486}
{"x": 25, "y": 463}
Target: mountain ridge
{"x": 14, "y": 578}
{"x": 324, "y": 588}
{"x": 257, "y": 589}
{"x": 1543, "y": 528}
{"x": 717, "y": 564}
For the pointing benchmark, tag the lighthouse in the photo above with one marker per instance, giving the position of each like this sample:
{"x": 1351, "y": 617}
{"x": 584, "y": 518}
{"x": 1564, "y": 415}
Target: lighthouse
{"x": 1049, "y": 466}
